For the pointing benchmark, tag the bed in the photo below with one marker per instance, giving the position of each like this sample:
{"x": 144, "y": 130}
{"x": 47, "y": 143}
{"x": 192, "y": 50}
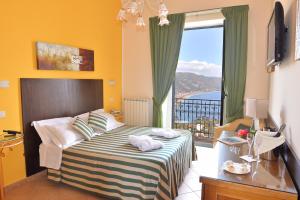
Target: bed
{"x": 106, "y": 165}
{"x": 109, "y": 166}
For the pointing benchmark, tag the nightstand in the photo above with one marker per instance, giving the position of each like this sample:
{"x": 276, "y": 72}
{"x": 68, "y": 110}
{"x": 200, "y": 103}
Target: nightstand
{"x": 118, "y": 116}
{"x": 267, "y": 179}
{"x": 7, "y": 141}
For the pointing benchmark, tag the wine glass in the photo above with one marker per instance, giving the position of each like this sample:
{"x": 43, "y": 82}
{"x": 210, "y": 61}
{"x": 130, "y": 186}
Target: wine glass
{"x": 250, "y": 144}
{"x": 257, "y": 145}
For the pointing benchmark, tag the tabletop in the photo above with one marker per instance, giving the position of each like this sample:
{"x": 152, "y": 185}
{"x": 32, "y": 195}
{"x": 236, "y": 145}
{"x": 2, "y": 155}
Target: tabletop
{"x": 10, "y": 140}
{"x": 265, "y": 174}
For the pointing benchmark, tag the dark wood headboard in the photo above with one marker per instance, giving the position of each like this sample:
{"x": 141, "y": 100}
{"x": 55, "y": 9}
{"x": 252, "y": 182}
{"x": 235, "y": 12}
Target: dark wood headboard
{"x": 52, "y": 98}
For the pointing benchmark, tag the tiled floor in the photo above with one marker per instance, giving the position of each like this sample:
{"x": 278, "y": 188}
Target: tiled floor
{"x": 41, "y": 189}
{"x": 191, "y": 188}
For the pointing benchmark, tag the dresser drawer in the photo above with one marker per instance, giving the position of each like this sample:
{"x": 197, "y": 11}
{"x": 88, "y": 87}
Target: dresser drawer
{"x": 221, "y": 190}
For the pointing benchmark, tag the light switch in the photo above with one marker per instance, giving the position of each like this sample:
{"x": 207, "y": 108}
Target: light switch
{"x": 112, "y": 99}
{"x": 112, "y": 82}
{"x": 2, "y": 114}
{"x": 4, "y": 84}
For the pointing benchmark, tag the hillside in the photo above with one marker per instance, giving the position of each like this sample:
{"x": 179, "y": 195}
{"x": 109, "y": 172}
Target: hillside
{"x": 187, "y": 83}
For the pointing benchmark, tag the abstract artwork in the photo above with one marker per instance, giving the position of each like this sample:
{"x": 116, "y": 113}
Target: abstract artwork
{"x": 60, "y": 57}
{"x": 297, "y": 47}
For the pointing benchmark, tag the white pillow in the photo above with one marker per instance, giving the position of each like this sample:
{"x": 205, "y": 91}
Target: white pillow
{"x": 85, "y": 116}
{"x": 64, "y": 135}
{"x": 43, "y": 132}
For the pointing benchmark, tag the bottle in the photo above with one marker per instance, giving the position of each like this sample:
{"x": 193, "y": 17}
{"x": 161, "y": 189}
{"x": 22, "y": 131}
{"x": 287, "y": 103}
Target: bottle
{"x": 252, "y": 129}
{"x": 282, "y": 127}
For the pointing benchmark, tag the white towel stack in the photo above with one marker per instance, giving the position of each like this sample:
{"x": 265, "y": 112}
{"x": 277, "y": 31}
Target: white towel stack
{"x": 145, "y": 143}
{"x": 167, "y": 133}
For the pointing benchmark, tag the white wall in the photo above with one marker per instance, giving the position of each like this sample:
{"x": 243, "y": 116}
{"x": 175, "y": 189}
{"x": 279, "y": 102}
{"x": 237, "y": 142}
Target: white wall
{"x": 137, "y": 78}
{"x": 284, "y": 88}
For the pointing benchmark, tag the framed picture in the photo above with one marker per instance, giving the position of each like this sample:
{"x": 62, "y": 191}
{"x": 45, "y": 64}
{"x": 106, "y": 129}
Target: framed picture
{"x": 297, "y": 39}
{"x": 60, "y": 57}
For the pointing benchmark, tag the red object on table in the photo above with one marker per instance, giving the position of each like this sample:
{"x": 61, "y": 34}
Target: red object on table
{"x": 243, "y": 133}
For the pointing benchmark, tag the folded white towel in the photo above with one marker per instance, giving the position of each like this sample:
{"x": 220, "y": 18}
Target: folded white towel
{"x": 167, "y": 133}
{"x": 144, "y": 142}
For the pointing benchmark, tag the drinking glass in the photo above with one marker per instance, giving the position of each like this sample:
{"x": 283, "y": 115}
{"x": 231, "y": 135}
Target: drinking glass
{"x": 257, "y": 145}
{"x": 235, "y": 149}
{"x": 250, "y": 140}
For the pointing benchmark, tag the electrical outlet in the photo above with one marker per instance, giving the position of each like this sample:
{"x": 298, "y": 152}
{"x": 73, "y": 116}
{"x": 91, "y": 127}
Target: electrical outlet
{"x": 4, "y": 84}
{"x": 2, "y": 114}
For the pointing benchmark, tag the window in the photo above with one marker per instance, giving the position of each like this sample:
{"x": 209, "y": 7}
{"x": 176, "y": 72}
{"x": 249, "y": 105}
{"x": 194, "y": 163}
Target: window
{"x": 199, "y": 70}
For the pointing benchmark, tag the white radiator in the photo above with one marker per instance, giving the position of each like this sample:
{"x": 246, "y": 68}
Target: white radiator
{"x": 137, "y": 111}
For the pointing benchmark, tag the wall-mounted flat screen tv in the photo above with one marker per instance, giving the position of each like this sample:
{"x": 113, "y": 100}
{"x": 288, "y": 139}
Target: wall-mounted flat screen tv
{"x": 276, "y": 36}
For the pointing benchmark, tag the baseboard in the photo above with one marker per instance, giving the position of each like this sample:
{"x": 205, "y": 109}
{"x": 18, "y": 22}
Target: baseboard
{"x": 25, "y": 180}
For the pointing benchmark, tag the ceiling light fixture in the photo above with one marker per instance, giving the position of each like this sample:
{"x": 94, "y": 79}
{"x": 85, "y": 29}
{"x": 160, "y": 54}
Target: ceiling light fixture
{"x": 136, "y": 8}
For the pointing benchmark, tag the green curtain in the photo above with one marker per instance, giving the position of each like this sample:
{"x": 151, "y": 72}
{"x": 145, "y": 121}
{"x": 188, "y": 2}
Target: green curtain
{"x": 235, "y": 61}
{"x": 165, "y": 44}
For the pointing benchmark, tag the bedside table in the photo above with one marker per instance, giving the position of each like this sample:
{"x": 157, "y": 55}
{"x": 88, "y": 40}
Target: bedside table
{"x": 267, "y": 179}
{"x": 7, "y": 142}
{"x": 118, "y": 116}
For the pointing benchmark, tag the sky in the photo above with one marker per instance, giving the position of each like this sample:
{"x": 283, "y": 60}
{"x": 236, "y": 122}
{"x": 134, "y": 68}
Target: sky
{"x": 201, "y": 52}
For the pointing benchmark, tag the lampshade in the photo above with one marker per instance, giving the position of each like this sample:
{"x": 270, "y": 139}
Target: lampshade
{"x": 122, "y": 15}
{"x": 163, "y": 21}
{"x": 163, "y": 10}
{"x": 257, "y": 108}
{"x": 133, "y": 7}
{"x": 136, "y": 8}
{"x": 140, "y": 21}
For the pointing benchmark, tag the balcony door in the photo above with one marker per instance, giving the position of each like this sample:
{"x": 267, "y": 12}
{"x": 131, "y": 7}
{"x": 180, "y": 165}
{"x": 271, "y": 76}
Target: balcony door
{"x": 197, "y": 91}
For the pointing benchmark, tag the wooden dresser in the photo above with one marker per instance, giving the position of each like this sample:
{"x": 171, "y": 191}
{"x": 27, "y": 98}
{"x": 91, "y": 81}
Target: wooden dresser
{"x": 268, "y": 180}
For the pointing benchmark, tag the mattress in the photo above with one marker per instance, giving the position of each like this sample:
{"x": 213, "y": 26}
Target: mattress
{"x": 110, "y": 167}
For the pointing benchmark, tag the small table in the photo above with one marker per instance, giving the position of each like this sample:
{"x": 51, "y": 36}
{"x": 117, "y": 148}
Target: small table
{"x": 267, "y": 179}
{"x": 7, "y": 141}
{"x": 118, "y": 117}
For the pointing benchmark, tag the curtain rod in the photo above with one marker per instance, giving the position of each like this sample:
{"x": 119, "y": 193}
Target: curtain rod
{"x": 211, "y": 9}
{"x": 204, "y": 10}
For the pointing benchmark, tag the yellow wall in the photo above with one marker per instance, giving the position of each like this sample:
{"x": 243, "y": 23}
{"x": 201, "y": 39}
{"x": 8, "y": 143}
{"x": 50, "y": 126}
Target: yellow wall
{"x": 87, "y": 24}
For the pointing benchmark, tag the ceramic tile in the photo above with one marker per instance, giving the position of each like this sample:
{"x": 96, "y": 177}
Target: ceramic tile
{"x": 188, "y": 196}
{"x": 184, "y": 189}
{"x": 191, "y": 174}
{"x": 193, "y": 184}
{"x": 198, "y": 193}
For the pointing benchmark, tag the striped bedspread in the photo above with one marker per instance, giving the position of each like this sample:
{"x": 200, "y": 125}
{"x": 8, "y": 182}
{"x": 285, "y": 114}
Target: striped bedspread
{"x": 110, "y": 167}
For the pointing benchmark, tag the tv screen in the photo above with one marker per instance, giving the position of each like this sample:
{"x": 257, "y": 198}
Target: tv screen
{"x": 276, "y": 36}
{"x": 271, "y": 40}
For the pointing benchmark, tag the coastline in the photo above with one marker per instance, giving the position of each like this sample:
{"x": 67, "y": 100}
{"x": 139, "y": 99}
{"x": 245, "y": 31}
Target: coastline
{"x": 187, "y": 96}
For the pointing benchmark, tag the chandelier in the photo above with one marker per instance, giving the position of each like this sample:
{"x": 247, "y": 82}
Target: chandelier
{"x": 135, "y": 8}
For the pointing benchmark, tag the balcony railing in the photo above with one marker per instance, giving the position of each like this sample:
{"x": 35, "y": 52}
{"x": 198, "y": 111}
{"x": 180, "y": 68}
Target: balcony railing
{"x": 200, "y": 116}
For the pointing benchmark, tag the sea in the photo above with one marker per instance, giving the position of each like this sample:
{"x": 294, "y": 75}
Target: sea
{"x": 187, "y": 113}
{"x": 216, "y": 95}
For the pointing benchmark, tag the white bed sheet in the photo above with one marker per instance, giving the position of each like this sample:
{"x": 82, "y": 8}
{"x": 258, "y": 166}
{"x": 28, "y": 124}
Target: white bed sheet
{"x": 51, "y": 155}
